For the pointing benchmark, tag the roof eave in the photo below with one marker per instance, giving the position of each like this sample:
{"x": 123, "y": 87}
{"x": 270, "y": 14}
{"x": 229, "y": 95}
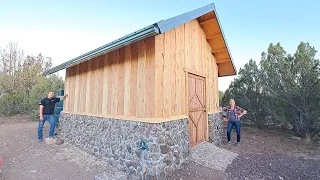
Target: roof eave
{"x": 139, "y": 35}
{"x": 225, "y": 41}
{"x": 227, "y": 75}
{"x": 152, "y": 30}
{"x": 176, "y": 21}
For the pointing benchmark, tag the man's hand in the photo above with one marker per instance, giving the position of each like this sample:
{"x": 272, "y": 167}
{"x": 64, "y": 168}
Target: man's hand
{"x": 41, "y": 118}
{"x": 64, "y": 97}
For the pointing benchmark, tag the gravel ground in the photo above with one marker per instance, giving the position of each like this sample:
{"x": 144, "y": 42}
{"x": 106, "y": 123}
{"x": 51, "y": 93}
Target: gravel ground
{"x": 263, "y": 154}
{"x": 273, "y": 166}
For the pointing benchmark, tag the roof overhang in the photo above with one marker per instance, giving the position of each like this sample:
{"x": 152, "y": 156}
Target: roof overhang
{"x": 139, "y": 35}
{"x": 215, "y": 37}
{"x": 208, "y": 20}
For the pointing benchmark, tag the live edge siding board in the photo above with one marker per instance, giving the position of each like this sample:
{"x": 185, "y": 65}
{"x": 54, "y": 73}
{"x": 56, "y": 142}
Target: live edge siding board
{"x": 118, "y": 84}
{"x": 190, "y": 51}
{"x": 146, "y": 79}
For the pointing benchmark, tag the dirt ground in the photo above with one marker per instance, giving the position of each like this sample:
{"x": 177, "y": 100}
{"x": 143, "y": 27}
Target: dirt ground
{"x": 267, "y": 154}
{"x": 263, "y": 154}
{"x": 24, "y": 158}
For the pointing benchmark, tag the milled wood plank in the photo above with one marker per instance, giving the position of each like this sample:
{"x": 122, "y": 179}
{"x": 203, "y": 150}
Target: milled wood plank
{"x": 88, "y": 89}
{"x": 193, "y": 44}
{"x": 187, "y": 37}
{"x": 100, "y": 78}
{"x": 211, "y": 84}
{"x": 206, "y": 17}
{"x": 105, "y": 85}
{"x": 84, "y": 68}
{"x": 207, "y": 61}
{"x": 133, "y": 79}
{"x": 202, "y": 51}
{"x": 127, "y": 67}
{"x": 141, "y": 83}
{"x": 182, "y": 73}
{"x": 167, "y": 77}
{"x": 94, "y": 86}
{"x": 150, "y": 78}
{"x": 173, "y": 73}
{"x": 110, "y": 79}
{"x": 73, "y": 79}
{"x": 208, "y": 22}
{"x": 115, "y": 76}
{"x": 159, "y": 58}
{"x": 82, "y": 84}
{"x": 66, "y": 90}
{"x": 197, "y": 47}
{"x": 178, "y": 70}
{"x": 121, "y": 82}
{"x": 215, "y": 75}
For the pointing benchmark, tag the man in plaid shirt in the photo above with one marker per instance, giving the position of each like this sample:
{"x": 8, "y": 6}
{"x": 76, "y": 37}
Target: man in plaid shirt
{"x": 234, "y": 114}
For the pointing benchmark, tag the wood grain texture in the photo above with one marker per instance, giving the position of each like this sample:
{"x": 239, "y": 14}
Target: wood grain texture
{"x": 133, "y": 79}
{"x": 88, "y": 88}
{"x": 150, "y": 78}
{"x": 72, "y": 89}
{"x": 110, "y": 77}
{"x": 197, "y": 110}
{"x": 167, "y": 92}
{"x": 210, "y": 26}
{"x": 147, "y": 79}
{"x": 76, "y": 87}
{"x": 66, "y": 90}
{"x": 119, "y": 83}
{"x": 127, "y": 85}
{"x": 115, "y": 83}
{"x": 105, "y": 85}
{"x": 183, "y": 49}
{"x": 100, "y": 78}
{"x": 159, "y": 71}
{"x": 95, "y": 85}
{"x": 82, "y": 85}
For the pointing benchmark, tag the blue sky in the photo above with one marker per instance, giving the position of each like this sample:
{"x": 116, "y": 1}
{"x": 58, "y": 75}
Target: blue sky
{"x": 65, "y": 29}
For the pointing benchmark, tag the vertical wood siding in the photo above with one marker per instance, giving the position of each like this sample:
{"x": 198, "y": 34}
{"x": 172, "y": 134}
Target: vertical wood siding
{"x": 146, "y": 79}
{"x": 179, "y": 48}
{"x": 119, "y": 83}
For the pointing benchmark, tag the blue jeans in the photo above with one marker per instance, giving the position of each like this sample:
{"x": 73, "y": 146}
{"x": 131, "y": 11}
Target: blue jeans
{"x": 231, "y": 124}
{"x": 50, "y": 119}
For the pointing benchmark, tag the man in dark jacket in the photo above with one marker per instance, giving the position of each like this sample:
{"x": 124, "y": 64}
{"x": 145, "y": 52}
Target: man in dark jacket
{"x": 46, "y": 112}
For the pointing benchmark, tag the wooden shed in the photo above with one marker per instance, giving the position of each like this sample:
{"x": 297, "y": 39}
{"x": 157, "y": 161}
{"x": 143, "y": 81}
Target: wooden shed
{"x": 162, "y": 81}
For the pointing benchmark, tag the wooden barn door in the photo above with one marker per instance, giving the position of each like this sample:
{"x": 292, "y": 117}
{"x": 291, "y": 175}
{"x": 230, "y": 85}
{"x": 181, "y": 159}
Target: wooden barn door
{"x": 197, "y": 109}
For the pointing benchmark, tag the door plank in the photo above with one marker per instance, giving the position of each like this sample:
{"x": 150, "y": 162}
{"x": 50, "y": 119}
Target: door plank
{"x": 197, "y": 109}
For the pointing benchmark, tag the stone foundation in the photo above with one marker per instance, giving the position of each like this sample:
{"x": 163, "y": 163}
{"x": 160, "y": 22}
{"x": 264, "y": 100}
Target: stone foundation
{"x": 215, "y": 128}
{"x": 118, "y": 142}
